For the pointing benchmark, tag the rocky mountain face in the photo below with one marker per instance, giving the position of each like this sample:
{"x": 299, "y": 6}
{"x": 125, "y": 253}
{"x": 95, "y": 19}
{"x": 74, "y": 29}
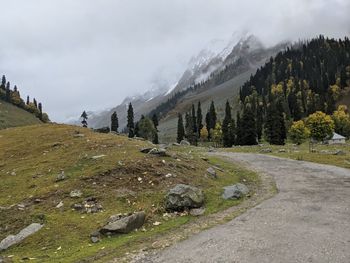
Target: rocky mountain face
{"x": 219, "y": 58}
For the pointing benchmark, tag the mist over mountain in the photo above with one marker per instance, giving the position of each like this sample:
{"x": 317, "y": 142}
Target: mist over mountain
{"x": 212, "y": 59}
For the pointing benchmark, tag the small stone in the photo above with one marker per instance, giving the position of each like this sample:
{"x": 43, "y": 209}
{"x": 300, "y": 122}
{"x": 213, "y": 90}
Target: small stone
{"x": 60, "y": 177}
{"x": 235, "y": 191}
{"x": 168, "y": 175}
{"x": 75, "y": 194}
{"x": 98, "y": 156}
{"x": 60, "y": 204}
{"x": 211, "y": 171}
{"x": 197, "y": 211}
{"x": 157, "y": 223}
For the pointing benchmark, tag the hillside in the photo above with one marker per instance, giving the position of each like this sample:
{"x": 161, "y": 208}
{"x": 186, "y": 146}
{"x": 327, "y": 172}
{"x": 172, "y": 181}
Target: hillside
{"x": 12, "y": 116}
{"x": 106, "y": 168}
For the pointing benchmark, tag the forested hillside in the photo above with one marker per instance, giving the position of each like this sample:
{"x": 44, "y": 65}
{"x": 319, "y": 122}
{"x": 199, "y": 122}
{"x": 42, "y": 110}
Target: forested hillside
{"x": 312, "y": 76}
{"x": 14, "y": 111}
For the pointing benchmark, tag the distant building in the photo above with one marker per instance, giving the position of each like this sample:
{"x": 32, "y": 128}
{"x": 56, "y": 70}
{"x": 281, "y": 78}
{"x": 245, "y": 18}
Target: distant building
{"x": 336, "y": 139}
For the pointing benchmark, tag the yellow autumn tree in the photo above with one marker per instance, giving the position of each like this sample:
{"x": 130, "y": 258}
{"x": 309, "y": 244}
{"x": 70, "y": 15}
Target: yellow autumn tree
{"x": 298, "y": 132}
{"x": 341, "y": 120}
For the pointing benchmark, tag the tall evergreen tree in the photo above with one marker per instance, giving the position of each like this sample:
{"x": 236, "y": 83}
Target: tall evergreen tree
{"x": 3, "y": 82}
{"x": 248, "y": 125}
{"x": 114, "y": 122}
{"x": 275, "y": 129}
{"x": 84, "y": 117}
{"x": 180, "y": 129}
{"x": 28, "y": 101}
{"x": 40, "y": 108}
{"x": 226, "y": 126}
{"x": 208, "y": 123}
{"x": 199, "y": 119}
{"x": 131, "y": 125}
{"x": 213, "y": 117}
{"x": 155, "y": 120}
{"x": 194, "y": 120}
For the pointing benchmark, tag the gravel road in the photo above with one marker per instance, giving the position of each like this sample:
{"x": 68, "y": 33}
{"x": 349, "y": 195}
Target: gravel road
{"x": 307, "y": 221}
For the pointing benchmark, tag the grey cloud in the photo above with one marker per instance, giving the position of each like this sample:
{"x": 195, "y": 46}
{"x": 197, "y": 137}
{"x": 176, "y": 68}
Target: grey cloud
{"x": 84, "y": 54}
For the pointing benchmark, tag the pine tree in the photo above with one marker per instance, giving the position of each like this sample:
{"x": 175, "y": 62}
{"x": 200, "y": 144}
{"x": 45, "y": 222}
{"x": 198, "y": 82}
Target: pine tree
{"x": 156, "y": 139}
{"x": 213, "y": 117}
{"x": 28, "y": 101}
{"x": 275, "y": 129}
{"x": 114, "y": 122}
{"x": 180, "y": 129}
{"x": 3, "y": 82}
{"x": 155, "y": 121}
{"x": 199, "y": 119}
{"x": 226, "y": 127}
{"x": 8, "y": 92}
{"x": 130, "y": 125}
{"x": 84, "y": 117}
{"x": 194, "y": 120}
{"x": 35, "y": 103}
{"x": 208, "y": 122}
{"x": 248, "y": 125}
{"x": 40, "y": 108}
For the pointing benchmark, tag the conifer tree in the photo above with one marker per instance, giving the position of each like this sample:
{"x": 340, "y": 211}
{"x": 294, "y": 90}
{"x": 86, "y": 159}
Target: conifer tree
{"x": 194, "y": 120}
{"x": 213, "y": 117}
{"x": 40, "y": 108}
{"x": 84, "y": 117}
{"x": 275, "y": 129}
{"x": 155, "y": 121}
{"x": 130, "y": 125}
{"x": 28, "y": 101}
{"x": 114, "y": 122}
{"x": 180, "y": 129}
{"x": 199, "y": 119}
{"x": 226, "y": 126}
{"x": 3, "y": 82}
{"x": 207, "y": 123}
{"x": 248, "y": 127}
{"x": 8, "y": 92}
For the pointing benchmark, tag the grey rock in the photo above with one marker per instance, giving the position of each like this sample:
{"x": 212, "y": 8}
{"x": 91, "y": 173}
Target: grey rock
{"x": 78, "y": 135}
{"x": 211, "y": 171}
{"x": 15, "y": 239}
{"x": 75, "y": 194}
{"x": 124, "y": 225}
{"x": 176, "y": 144}
{"x": 60, "y": 177}
{"x": 340, "y": 152}
{"x": 183, "y": 197}
{"x": 197, "y": 211}
{"x": 235, "y": 191}
{"x": 185, "y": 143}
{"x": 282, "y": 150}
{"x": 95, "y": 237}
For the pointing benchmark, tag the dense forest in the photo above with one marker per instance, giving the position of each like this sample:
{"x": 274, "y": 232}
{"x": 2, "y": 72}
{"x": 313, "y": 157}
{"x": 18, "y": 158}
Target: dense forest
{"x": 294, "y": 94}
{"x": 13, "y": 96}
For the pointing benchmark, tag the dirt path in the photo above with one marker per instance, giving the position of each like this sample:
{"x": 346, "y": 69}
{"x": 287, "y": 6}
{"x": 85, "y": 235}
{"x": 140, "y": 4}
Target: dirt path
{"x": 307, "y": 221}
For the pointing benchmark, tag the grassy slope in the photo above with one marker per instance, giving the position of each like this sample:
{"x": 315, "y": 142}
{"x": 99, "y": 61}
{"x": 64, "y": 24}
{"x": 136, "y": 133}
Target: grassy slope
{"x": 31, "y": 157}
{"x": 12, "y": 116}
{"x": 323, "y": 154}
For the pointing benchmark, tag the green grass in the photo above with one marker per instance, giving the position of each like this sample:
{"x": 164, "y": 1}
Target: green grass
{"x": 32, "y": 156}
{"x": 12, "y": 116}
{"x": 323, "y": 154}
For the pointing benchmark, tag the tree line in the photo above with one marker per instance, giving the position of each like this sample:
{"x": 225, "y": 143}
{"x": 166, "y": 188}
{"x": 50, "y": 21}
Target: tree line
{"x": 13, "y": 96}
{"x": 144, "y": 128}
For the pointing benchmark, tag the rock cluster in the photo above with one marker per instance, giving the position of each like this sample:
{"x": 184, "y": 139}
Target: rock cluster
{"x": 89, "y": 205}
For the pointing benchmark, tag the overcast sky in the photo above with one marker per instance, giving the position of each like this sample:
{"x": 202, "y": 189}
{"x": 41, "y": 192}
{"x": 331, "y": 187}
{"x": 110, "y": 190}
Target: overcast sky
{"x": 90, "y": 54}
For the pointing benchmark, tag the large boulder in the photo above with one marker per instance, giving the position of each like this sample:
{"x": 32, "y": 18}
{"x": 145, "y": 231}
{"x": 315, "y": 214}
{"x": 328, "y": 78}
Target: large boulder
{"x": 235, "y": 191}
{"x": 15, "y": 239}
{"x": 124, "y": 224}
{"x": 211, "y": 171}
{"x": 183, "y": 197}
